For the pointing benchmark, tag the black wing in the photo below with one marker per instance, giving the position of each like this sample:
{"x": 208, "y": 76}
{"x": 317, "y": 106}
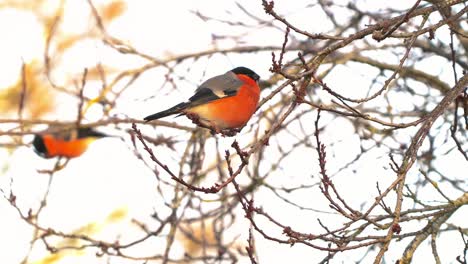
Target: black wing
{"x": 218, "y": 87}
{"x": 212, "y": 89}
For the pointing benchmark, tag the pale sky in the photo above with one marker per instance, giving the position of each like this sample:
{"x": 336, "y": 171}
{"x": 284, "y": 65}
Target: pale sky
{"x": 109, "y": 177}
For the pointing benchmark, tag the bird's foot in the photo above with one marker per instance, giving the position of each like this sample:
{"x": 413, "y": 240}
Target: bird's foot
{"x": 194, "y": 117}
{"x": 214, "y": 129}
{"x": 197, "y": 121}
{"x": 230, "y": 132}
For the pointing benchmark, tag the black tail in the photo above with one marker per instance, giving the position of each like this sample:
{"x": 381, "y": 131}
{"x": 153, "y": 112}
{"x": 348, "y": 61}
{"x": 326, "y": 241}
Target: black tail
{"x": 171, "y": 111}
{"x": 89, "y": 132}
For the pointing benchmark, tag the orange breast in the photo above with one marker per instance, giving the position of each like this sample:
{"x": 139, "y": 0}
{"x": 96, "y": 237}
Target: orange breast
{"x": 231, "y": 112}
{"x": 69, "y": 149}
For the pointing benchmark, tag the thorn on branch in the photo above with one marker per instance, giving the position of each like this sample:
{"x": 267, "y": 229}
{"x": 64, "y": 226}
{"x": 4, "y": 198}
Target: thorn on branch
{"x": 304, "y": 64}
{"x": 250, "y": 209}
{"x": 31, "y": 215}
{"x": 295, "y": 236}
{"x": 251, "y": 248}
{"x": 321, "y": 153}
{"x": 394, "y": 165}
{"x": 268, "y": 6}
{"x": 242, "y": 154}
{"x": 228, "y": 161}
{"x": 277, "y": 65}
{"x": 49, "y": 248}
{"x": 396, "y": 228}
{"x": 431, "y": 34}
{"x": 266, "y": 141}
{"x": 12, "y": 199}
{"x": 299, "y": 93}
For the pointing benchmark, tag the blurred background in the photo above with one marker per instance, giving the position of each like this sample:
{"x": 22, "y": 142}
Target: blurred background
{"x": 377, "y": 70}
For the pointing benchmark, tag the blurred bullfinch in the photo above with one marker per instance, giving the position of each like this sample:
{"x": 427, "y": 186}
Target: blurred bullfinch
{"x": 69, "y": 143}
{"x": 223, "y": 102}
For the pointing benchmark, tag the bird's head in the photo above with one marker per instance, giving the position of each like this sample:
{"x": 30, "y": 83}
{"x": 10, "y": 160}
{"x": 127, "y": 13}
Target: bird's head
{"x": 246, "y": 71}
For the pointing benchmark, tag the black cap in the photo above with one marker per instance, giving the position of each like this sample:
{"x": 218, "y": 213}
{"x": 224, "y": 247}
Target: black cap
{"x": 246, "y": 71}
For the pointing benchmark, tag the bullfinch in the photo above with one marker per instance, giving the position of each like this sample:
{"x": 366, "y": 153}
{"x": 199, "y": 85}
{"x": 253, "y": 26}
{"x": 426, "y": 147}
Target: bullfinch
{"x": 70, "y": 143}
{"x": 223, "y": 102}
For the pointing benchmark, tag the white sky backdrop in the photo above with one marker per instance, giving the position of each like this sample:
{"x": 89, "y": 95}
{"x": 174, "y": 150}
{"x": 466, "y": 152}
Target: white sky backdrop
{"x": 108, "y": 176}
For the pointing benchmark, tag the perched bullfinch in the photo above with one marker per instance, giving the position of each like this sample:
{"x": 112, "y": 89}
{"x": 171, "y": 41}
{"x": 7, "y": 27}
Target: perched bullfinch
{"x": 69, "y": 143}
{"x": 223, "y": 102}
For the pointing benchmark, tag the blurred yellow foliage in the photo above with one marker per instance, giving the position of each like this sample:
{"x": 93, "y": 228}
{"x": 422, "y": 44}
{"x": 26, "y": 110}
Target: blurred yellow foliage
{"x": 117, "y": 215}
{"x": 99, "y": 71}
{"x": 89, "y": 230}
{"x": 38, "y": 98}
{"x": 21, "y": 4}
{"x": 53, "y": 258}
{"x": 113, "y": 10}
{"x": 194, "y": 235}
{"x": 67, "y": 42}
